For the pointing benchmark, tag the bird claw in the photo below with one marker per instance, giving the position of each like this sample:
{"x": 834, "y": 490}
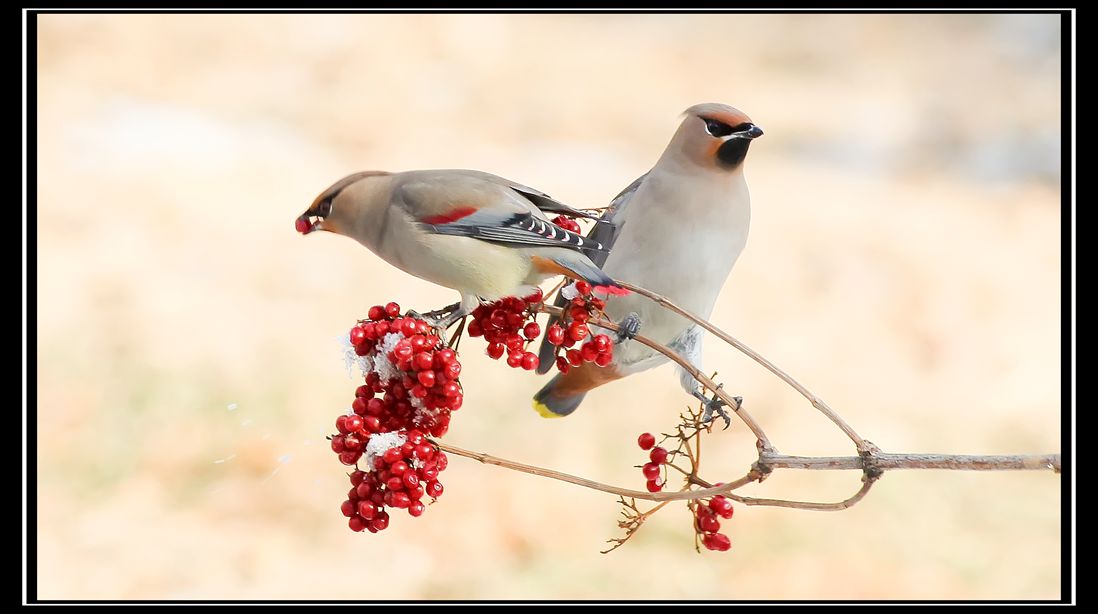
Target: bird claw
{"x": 714, "y": 407}
{"x": 441, "y": 319}
{"x": 628, "y": 327}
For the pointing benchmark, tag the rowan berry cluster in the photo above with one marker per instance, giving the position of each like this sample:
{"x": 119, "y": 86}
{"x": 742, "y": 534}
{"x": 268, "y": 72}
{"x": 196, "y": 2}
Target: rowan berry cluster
{"x": 410, "y": 389}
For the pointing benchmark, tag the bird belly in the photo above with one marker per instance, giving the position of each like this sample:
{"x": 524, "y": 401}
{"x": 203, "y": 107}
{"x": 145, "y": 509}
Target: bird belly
{"x": 468, "y": 265}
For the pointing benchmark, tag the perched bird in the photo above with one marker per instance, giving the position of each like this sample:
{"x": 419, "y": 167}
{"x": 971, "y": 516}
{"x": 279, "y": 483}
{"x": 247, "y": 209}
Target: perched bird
{"x": 677, "y": 230}
{"x": 482, "y": 235}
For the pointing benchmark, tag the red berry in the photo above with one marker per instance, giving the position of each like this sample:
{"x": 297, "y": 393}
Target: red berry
{"x": 367, "y": 510}
{"x": 424, "y": 451}
{"x": 416, "y": 509}
{"x": 604, "y": 359}
{"x": 410, "y": 479}
{"x": 392, "y": 455}
{"x": 364, "y": 490}
{"x": 356, "y": 523}
{"x": 352, "y": 443}
{"x": 372, "y": 424}
{"x": 337, "y": 444}
{"x": 562, "y": 364}
{"x": 555, "y": 334}
{"x": 514, "y": 359}
{"x": 589, "y": 352}
{"x": 717, "y": 541}
{"x": 708, "y": 523}
{"x": 530, "y": 361}
{"x": 651, "y": 471}
{"x": 452, "y": 369}
{"x": 357, "y": 477}
{"x": 474, "y": 329}
{"x": 358, "y": 335}
{"x": 655, "y": 485}
{"x": 450, "y": 389}
{"x": 535, "y": 297}
{"x": 602, "y": 342}
{"x": 409, "y": 328}
{"x": 722, "y": 506}
{"x": 341, "y": 425}
{"x": 392, "y": 310}
{"x": 427, "y": 378}
{"x": 348, "y": 457}
{"x": 658, "y": 454}
{"x": 441, "y": 460}
{"x": 376, "y": 313}
{"x": 583, "y": 288}
{"x": 401, "y": 499}
{"x": 577, "y": 331}
{"x": 495, "y": 350}
{"x": 646, "y": 441}
{"x": 453, "y": 404}
{"x": 303, "y": 225}
{"x": 354, "y": 423}
{"x": 531, "y": 330}
{"x": 574, "y": 357}
{"x": 428, "y": 472}
{"x": 423, "y": 361}
{"x": 348, "y": 508}
{"x": 381, "y": 521}
{"x": 434, "y": 488}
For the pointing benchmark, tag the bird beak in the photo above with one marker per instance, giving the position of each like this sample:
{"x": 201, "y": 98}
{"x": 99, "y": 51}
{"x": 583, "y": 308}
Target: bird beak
{"x": 752, "y": 132}
{"x": 311, "y": 220}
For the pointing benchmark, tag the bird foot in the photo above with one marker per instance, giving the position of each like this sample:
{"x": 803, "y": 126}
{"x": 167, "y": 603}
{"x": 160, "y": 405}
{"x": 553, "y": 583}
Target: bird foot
{"x": 714, "y": 406}
{"x": 441, "y": 319}
{"x": 628, "y": 327}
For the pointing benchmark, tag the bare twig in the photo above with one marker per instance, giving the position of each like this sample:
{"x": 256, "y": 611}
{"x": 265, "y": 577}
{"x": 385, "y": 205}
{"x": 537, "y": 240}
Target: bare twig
{"x": 817, "y": 402}
{"x": 956, "y": 462}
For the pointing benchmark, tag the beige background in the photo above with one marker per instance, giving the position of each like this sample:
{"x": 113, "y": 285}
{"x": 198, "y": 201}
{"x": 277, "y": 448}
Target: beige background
{"x": 904, "y": 263}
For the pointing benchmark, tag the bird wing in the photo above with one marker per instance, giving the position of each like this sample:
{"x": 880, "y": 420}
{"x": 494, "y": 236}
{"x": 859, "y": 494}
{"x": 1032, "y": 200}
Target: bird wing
{"x": 539, "y": 199}
{"x": 605, "y": 234}
{"x": 467, "y": 206}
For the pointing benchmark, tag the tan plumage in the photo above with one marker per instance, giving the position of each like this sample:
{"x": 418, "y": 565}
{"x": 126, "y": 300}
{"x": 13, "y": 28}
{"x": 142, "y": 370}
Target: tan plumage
{"x": 677, "y": 231}
{"x": 485, "y": 236}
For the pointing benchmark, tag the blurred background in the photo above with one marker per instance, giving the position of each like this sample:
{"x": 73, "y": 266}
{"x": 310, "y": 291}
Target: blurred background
{"x": 903, "y": 263}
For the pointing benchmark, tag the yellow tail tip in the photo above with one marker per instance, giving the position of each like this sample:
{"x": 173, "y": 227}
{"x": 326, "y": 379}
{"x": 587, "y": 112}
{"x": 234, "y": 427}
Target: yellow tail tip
{"x": 544, "y": 411}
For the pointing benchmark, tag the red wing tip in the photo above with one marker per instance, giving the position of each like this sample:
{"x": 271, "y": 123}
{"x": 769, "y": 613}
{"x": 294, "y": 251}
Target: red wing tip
{"x": 449, "y": 218}
{"x": 612, "y": 290}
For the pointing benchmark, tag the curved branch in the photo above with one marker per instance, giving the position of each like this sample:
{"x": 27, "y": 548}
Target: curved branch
{"x": 808, "y": 505}
{"x": 817, "y": 402}
{"x": 701, "y": 493}
{"x": 764, "y": 442}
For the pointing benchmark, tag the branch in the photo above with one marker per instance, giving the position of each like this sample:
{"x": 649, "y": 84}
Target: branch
{"x": 882, "y": 461}
{"x": 817, "y": 402}
{"x": 737, "y": 406}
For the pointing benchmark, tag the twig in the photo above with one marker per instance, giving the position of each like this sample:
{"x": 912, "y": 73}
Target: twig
{"x": 764, "y": 442}
{"x": 817, "y": 402}
{"x": 700, "y": 493}
{"x": 881, "y": 460}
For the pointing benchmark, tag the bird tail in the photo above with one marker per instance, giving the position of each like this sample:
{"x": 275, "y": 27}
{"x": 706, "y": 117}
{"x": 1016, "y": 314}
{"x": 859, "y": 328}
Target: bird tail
{"x": 551, "y": 402}
{"x": 581, "y": 267}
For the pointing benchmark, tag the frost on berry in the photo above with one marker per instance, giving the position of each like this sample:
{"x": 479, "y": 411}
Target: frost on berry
{"x": 410, "y": 388}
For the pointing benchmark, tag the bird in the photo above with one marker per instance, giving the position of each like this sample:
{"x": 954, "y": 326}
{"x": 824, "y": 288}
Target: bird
{"x": 677, "y": 230}
{"x": 480, "y": 234}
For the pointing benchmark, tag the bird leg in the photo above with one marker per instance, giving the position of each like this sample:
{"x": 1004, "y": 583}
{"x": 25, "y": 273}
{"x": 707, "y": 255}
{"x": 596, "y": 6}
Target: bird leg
{"x": 440, "y": 318}
{"x": 628, "y": 327}
{"x": 714, "y": 406}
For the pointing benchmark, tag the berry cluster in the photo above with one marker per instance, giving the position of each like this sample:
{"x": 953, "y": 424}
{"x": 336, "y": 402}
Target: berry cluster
{"x": 653, "y": 470}
{"x": 706, "y": 522}
{"x": 402, "y": 469}
{"x": 708, "y": 512}
{"x": 508, "y": 326}
{"x": 581, "y": 306}
{"x": 411, "y": 387}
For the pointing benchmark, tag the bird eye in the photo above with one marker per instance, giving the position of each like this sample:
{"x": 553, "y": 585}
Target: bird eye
{"x": 325, "y": 208}
{"x": 717, "y": 128}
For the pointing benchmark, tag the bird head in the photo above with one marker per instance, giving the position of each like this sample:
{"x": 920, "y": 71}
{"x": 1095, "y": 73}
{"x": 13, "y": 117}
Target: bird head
{"x": 715, "y": 135}
{"x": 334, "y": 210}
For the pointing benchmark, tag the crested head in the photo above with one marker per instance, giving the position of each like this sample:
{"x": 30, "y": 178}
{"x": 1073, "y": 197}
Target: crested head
{"x": 714, "y": 136}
